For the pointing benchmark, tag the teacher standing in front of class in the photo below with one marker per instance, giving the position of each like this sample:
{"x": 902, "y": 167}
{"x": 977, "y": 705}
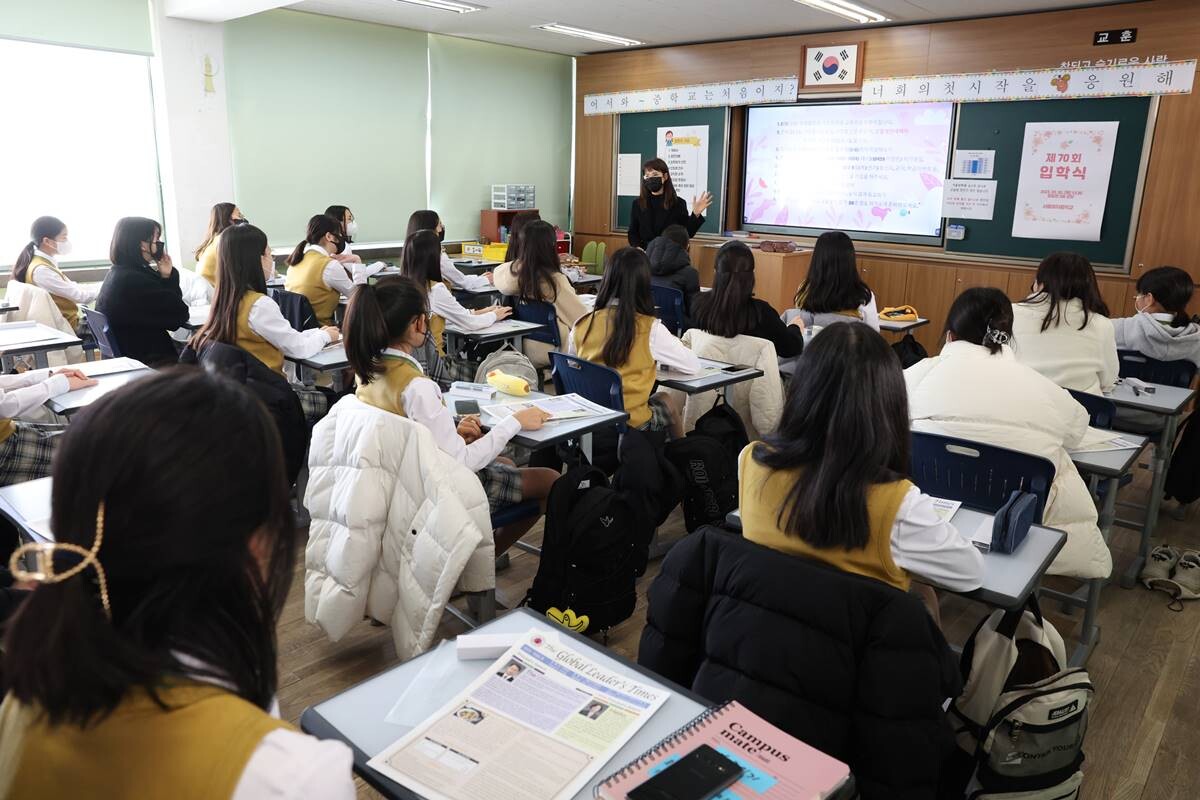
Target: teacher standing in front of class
{"x": 658, "y": 206}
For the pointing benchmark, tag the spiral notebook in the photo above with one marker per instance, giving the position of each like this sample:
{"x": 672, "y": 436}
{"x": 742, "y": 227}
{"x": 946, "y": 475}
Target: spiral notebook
{"x": 777, "y": 766}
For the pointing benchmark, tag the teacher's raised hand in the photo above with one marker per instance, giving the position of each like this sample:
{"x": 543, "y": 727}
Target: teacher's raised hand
{"x": 701, "y": 203}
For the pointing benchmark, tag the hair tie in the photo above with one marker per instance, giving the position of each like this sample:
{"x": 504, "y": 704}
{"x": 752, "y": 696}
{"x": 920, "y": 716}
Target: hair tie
{"x": 996, "y": 336}
{"x": 43, "y": 553}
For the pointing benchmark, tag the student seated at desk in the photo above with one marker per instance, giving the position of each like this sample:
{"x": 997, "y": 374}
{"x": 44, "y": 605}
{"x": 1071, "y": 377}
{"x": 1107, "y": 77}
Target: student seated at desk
{"x": 977, "y": 389}
{"x": 140, "y": 296}
{"x": 37, "y": 265}
{"x": 344, "y": 215}
{"x": 623, "y": 333}
{"x": 26, "y": 448}
{"x": 536, "y": 276}
{"x": 1062, "y": 329}
{"x": 422, "y": 263}
{"x": 830, "y": 483}
{"x": 519, "y": 221}
{"x": 385, "y": 324}
{"x": 244, "y": 316}
{"x": 145, "y": 663}
{"x": 1161, "y": 328}
{"x": 222, "y": 216}
{"x": 731, "y": 309}
{"x": 834, "y": 291}
{"x": 426, "y": 220}
{"x": 318, "y": 275}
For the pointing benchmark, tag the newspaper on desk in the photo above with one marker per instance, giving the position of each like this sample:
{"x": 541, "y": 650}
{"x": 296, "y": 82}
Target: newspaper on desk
{"x": 559, "y": 407}
{"x": 538, "y": 724}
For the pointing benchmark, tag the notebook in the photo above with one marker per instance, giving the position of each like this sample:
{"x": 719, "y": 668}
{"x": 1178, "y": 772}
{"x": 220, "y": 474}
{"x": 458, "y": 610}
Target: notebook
{"x": 777, "y": 765}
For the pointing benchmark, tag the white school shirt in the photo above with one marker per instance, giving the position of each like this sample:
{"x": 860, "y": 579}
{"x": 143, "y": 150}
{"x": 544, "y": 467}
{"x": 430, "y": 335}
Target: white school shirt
{"x": 925, "y": 546}
{"x": 334, "y": 274}
{"x": 665, "y": 349}
{"x": 459, "y": 278}
{"x": 422, "y": 402}
{"x": 268, "y": 322}
{"x": 28, "y": 390}
{"x": 60, "y": 286}
{"x": 442, "y": 303}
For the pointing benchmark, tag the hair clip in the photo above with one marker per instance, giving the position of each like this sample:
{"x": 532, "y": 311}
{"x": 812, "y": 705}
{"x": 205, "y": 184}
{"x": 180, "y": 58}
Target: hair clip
{"x": 43, "y": 553}
{"x": 996, "y": 336}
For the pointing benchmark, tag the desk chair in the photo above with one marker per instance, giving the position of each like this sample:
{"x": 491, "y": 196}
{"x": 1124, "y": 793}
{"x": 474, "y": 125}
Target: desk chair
{"x": 542, "y": 314}
{"x": 98, "y": 324}
{"x": 1151, "y": 370}
{"x": 596, "y": 382}
{"x": 1101, "y": 411}
{"x": 296, "y": 309}
{"x": 668, "y": 307}
{"x": 982, "y": 476}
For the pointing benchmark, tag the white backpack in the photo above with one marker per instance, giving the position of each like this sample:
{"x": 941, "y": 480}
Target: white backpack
{"x": 1022, "y": 713}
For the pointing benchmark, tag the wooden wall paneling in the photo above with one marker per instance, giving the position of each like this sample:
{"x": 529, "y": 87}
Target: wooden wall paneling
{"x": 736, "y": 169}
{"x": 1020, "y": 284}
{"x": 1113, "y": 291}
{"x": 777, "y": 276}
{"x": 931, "y": 289}
{"x": 593, "y": 172}
{"x": 888, "y": 279}
{"x": 704, "y": 259}
{"x": 1167, "y": 233}
{"x": 970, "y": 277}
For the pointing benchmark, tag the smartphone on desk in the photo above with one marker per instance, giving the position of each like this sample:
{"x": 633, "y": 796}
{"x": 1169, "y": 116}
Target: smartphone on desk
{"x": 700, "y": 775}
{"x": 736, "y": 368}
{"x": 464, "y": 407}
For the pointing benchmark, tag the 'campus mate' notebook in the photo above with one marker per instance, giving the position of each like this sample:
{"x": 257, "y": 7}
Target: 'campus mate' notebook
{"x": 777, "y": 766}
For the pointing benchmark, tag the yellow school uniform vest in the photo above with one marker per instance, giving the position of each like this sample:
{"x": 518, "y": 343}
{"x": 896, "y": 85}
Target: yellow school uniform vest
{"x": 196, "y": 749}
{"x": 763, "y": 493}
{"x": 7, "y": 429}
{"x": 305, "y": 278}
{"x": 68, "y": 307}
{"x": 384, "y": 390}
{"x": 638, "y": 371}
{"x": 206, "y": 265}
{"x": 250, "y": 341}
{"x": 437, "y": 328}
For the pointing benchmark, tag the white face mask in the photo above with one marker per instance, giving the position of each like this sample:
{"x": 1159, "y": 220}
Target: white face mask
{"x": 64, "y": 247}
{"x": 268, "y": 267}
{"x": 351, "y": 228}
{"x": 1138, "y": 308}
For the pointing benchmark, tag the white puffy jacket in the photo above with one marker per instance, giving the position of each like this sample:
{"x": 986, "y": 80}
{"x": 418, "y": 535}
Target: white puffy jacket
{"x": 968, "y": 393}
{"x": 758, "y": 402}
{"x": 396, "y": 526}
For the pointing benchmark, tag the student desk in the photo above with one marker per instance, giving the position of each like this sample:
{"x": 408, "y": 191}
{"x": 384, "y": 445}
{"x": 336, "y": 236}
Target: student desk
{"x": 1167, "y": 402}
{"x": 477, "y": 298}
{"x": 27, "y": 506}
{"x": 5, "y": 308}
{"x": 357, "y": 716}
{"x": 361, "y": 249}
{"x": 110, "y": 374}
{"x": 474, "y": 266}
{"x": 887, "y": 326}
{"x": 197, "y": 316}
{"x": 332, "y": 359}
{"x": 501, "y": 331}
{"x": 32, "y": 339}
{"x": 585, "y": 280}
{"x": 552, "y": 433}
{"x": 708, "y": 382}
{"x": 277, "y": 282}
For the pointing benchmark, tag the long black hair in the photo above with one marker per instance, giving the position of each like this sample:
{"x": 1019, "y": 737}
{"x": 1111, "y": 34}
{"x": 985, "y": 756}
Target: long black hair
{"x": 845, "y": 423}
{"x": 319, "y": 226}
{"x": 519, "y": 221}
{"x": 239, "y": 270}
{"x": 983, "y": 316}
{"x": 42, "y": 228}
{"x": 126, "y": 247}
{"x": 219, "y": 218}
{"x": 668, "y": 195}
{"x": 198, "y": 551}
{"x": 339, "y": 213}
{"x": 376, "y": 317}
{"x": 538, "y": 263}
{"x": 1172, "y": 289}
{"x": 627, "y": 283}
{"x": 727, "y": 310}
{"x": 422, "y": 258}
{"x": 424, "y": 220}
{"x": 833, "y": 283}
{"x": 1067, "y": 276}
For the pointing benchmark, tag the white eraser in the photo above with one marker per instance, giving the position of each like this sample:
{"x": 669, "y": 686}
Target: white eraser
{"x": 472, "y": 646}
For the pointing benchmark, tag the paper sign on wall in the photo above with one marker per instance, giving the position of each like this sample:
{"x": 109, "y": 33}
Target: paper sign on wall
{"x": 1062, "y": 185}
{"x": 968, "y": 199}
{"x": 629, "y": 174}
{"x": 973, "y": 164}
{"x": 685, "y": 149}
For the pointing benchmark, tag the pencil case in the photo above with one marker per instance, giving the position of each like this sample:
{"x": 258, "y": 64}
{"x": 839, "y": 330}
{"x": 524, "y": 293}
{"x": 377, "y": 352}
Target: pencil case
{"x": 509, "y": 384}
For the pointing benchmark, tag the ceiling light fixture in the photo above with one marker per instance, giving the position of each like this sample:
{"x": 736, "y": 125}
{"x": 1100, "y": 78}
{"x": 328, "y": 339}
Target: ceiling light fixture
{"x": 850, "y": 11}
{"x": 443, "y": 5}
{"x": 580, "y": 33}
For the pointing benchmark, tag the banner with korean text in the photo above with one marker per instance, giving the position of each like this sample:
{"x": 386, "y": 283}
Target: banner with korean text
{"x": 1062, "y": 184}
{"x": 705, "y": 95}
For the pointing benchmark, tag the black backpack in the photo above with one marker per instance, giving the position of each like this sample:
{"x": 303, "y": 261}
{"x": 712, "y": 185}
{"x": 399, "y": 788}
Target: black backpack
{"x": 587, "y": 569}
{"x": 909, "y": 351}
{"x": 707, "y": 459}
{"x": 1183, "y": 476}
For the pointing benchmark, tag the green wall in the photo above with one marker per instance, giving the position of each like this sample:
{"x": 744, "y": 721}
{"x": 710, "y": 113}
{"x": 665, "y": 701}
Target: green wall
{"x": 521, "y": 133}
{"x": 103, "y": 24}
{"x": 326, "y": 111}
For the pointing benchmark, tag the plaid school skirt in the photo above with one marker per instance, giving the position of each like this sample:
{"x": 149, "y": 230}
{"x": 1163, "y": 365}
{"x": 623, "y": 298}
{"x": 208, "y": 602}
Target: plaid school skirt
{"x": 314, "y": 401}
{"x": 26, "y": 455}
{"x": 501, "y": 484}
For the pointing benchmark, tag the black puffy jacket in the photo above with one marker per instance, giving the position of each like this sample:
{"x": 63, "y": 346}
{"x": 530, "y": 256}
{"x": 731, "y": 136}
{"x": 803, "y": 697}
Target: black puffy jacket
{"x": 671, "y": 266}
{"x": 850, "y": 665}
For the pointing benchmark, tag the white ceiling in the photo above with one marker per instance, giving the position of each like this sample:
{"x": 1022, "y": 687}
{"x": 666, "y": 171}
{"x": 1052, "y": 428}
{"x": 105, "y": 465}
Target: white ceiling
{"x": 655, "y": 22}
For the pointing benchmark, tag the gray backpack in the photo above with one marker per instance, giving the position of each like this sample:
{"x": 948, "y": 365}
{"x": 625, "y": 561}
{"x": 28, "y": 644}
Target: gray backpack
{"x": 1022, "y": 714}
{"x": 510, "y": 362}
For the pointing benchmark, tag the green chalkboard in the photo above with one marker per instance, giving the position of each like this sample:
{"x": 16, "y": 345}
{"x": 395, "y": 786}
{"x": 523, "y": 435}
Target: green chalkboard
{"x": 1001, "y": 127}
{"x": 638, "y": 133}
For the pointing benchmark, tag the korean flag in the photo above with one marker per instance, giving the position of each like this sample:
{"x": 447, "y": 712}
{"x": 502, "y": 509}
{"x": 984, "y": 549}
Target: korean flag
{"x": 831, "y": 66}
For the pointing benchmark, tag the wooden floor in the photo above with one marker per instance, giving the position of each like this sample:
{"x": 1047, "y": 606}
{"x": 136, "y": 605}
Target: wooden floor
{"x": 1144, "y": 739}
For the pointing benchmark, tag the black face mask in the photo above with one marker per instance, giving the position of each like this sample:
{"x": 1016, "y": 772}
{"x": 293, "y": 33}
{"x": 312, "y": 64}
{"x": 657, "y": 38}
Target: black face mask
{"x": 653, "y": 184}
{"x": 442, "y": 235}
{"x": 242, "y": 221}
{"x": 157, "y": 250}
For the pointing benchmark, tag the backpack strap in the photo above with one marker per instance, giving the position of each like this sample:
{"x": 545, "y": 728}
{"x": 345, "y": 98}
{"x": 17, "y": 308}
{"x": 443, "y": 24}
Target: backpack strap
{"x": 1012, "y": 618}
